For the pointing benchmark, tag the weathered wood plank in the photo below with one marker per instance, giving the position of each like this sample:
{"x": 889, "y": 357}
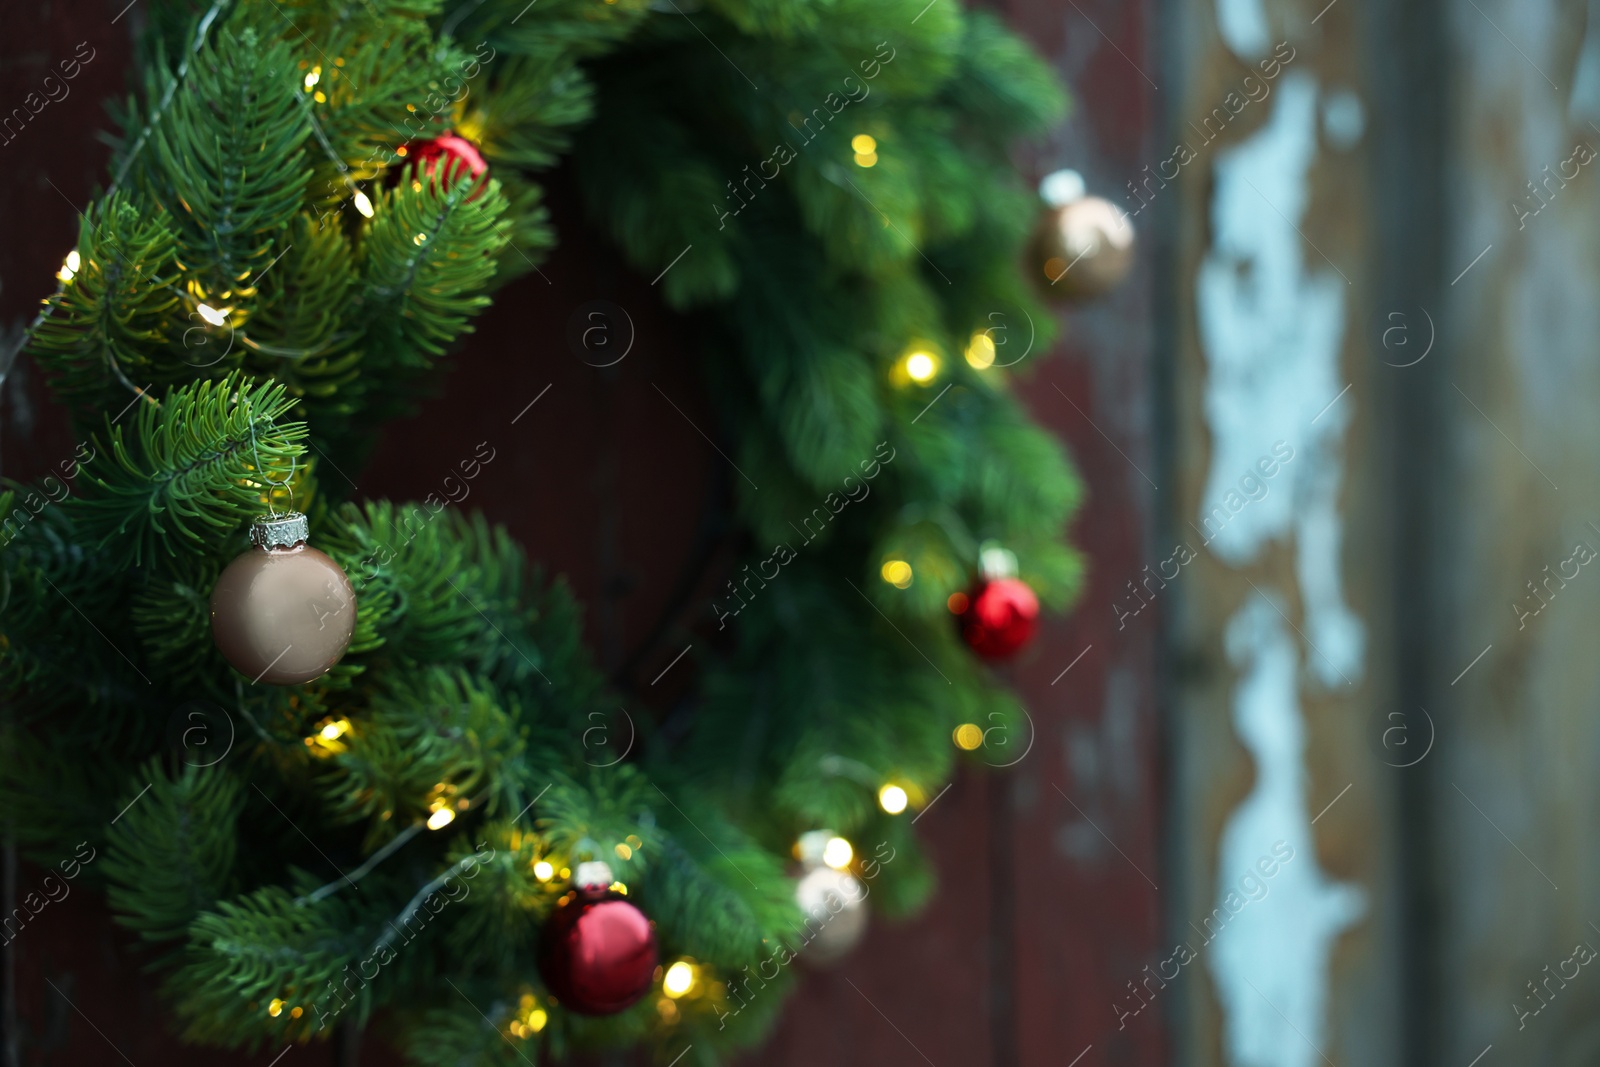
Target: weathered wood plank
{"x": 1517, "y": 867}
{"x": 1282, "y": 831}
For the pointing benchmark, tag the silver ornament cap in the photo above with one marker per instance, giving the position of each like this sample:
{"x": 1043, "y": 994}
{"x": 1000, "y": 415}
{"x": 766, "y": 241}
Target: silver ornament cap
{"x": 280, "y": 531}
{"x": 1062, "y": 187}
{"x": 996, "y": 562}
{"x": 592, "y": 874}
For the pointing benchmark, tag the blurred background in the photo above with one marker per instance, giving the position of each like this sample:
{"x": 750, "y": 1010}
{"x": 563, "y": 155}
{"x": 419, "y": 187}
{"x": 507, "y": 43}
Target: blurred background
{"x": 1310, "y": 777}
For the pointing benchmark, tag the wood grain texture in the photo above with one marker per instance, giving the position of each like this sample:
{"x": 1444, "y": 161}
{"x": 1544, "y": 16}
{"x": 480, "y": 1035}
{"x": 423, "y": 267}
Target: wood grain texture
{"x": 1272, "y": 223}
{"x": 1515, "y": 783}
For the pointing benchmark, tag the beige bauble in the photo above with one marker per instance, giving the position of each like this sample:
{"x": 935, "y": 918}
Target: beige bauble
{"x": 283, "y": 612}
{"x": 1085, "y": 244}
{"x": 835, "y": 906}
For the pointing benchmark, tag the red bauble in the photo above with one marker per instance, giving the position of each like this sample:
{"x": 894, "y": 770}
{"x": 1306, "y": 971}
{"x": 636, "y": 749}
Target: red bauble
{"x": 597, "y": 952}
{"x": 1000, "y": 618}
{"x": 455, "y": 157}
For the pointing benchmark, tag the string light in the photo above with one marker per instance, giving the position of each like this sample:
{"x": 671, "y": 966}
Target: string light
{"x": 441, "y": 818}
{"x": 531, "y": 1018}
{"x": 837, "y": 853}
{"x": 957, "y": 603}
{"x": 623, "y": 852}
{"x": 543, "y": 871}
{"x": 980, "y": 351}
{"x": 865, "y": 147}
{"x": 215, "y": 316}
{"x": 679, "y": 980}
{"x": 314, "y": 77}
{"x": 892, "y": 799}
{"x": 922, "y": 366}
{"x": 897, "y": 572}
{"x": 361, "y": 202}
{"x": 968, "y": 736}
{"x": 329, "y": 739}
{"x": 70, "y": 267}
{"x": 275, "y": 1009}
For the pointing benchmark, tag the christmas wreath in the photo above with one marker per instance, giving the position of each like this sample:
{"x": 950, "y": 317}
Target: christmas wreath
{"x": 308, "y": 205}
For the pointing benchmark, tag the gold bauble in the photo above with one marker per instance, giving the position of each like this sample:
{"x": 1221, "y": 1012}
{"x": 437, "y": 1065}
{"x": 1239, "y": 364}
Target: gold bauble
{"x": 283, "y": 612}
{"x": 1084, "y": 248}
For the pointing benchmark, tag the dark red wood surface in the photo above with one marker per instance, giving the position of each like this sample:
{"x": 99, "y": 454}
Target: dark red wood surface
{"x": 1042, "y": 914}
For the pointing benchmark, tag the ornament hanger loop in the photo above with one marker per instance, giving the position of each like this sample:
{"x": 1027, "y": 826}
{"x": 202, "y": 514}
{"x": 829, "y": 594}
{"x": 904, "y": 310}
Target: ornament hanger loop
{"x": 261, "y": 471}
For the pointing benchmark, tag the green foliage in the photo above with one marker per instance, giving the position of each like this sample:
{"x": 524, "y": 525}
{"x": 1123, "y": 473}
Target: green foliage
{"x": 299, "y": 333}
{"x": 191, "y": 470}
{"x": 116, "y": 308}
{"x": 434, "y": 737}
{"x": 273, "y": 273}
{"x": 170, "y": 854}
{"x": 427, "y": 256}
{"x": 257, "y": 949}
{"x": 227, "y": 160}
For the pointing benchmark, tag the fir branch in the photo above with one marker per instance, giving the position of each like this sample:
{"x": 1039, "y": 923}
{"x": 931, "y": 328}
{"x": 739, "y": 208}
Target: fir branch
{"x": 171, "y": 852}
{"x": 111, "y": 317}
{"x": 426, "y": 257}
{"x": 228, "y": 161}
{"x": 127, "y": 160}
{"x": 131, "y": 156}
{"x": 256, "y": 953}
{"x": 190, "y": 473}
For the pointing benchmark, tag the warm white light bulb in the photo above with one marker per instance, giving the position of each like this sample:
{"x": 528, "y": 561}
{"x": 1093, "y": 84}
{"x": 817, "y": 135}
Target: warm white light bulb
{"x": 921, "y": 366}
{"x": 362, "y": 204}
{"x": 679, "y": 979}
{"x": 892, "y": 799}
{"x": 441, "y": 818}
{"x": 837, "y": 853}
{"x": 897, "y": 572}
{"x": 215, "y": 316}
{"x": 981, "y": 352}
